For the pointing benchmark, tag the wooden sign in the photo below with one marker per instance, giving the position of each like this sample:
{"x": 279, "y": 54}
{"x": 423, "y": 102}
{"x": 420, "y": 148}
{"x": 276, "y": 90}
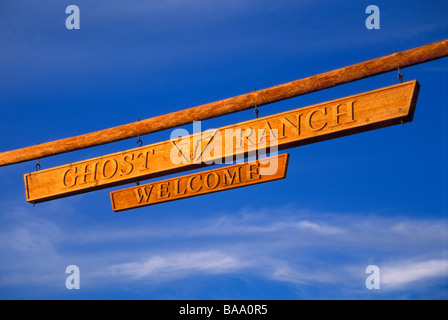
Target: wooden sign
{"x": 367, "y": 111}
{"x": 229, "y": 177}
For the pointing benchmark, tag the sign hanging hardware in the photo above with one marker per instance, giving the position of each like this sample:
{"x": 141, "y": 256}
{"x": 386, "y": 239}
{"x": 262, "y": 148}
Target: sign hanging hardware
{"x": 256, "y": 117}
{"x": 38, "y": 166}
{"x": 256, "y": 108}
{"x": 400, "y": 75}
{"x": 139, "y": 141}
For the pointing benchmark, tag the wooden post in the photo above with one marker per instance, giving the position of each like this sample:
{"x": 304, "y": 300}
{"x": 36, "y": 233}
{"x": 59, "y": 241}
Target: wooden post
{"x": 246, "y": 101}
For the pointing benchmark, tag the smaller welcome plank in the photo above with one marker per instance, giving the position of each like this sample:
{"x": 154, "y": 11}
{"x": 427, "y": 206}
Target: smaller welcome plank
{"x": 229, "y": 177}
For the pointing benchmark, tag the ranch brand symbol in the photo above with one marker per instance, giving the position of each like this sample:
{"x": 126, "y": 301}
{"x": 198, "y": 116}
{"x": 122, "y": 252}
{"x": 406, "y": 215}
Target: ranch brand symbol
{"x": 229, "y": 177}
{"x": 366, "y": 111}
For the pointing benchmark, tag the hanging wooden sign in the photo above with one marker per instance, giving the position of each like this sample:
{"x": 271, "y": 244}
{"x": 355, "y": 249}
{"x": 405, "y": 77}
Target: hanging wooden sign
{"x": 367, "y": 111}
{"x": 229, "y": 177}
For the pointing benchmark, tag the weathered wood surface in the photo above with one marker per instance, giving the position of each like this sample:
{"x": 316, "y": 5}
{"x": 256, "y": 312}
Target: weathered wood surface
{"x": 226, "y": 178}
{"x": 324, "y": 121}
{"x": 242, "y": 102}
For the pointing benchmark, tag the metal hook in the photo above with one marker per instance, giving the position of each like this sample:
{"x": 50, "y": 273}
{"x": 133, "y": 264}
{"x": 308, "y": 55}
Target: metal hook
{"x": 256, "y": 108}
{"x": 139, "y": 141}
{"x": 400, "y": 75}
{"x": 38, "y": 163}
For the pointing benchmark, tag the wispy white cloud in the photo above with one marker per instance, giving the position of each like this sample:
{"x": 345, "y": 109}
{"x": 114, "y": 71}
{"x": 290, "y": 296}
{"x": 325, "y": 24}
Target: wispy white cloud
{"x": 176, "y": 265}
{"x": 319, "y": 228}
{"x": 284, "y": 272}
{"x": 400, "y": 274}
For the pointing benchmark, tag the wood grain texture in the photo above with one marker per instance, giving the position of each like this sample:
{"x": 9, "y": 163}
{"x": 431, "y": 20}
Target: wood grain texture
{"x": 226, "y": 178}
{"x": 242, "y": 102}
{"x": 366, "y": 111}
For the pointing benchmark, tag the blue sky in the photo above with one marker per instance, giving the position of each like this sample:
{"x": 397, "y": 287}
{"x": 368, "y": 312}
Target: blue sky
{"x": 373, "y": 198}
